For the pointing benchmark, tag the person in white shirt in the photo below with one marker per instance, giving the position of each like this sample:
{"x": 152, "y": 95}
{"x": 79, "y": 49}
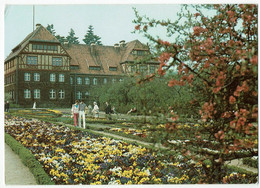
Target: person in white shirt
{"x": 95, "y": 110}
{"x": 82, "y": 107}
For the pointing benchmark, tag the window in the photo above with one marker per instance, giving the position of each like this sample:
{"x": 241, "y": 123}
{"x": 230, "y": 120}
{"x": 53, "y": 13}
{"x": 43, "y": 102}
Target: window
{"x": 52, "y": 77}
{"x": 139, "y": 52}
{"x": 94, "y": 81}
{"x": 36, "y": 94}
{"x": 31, "y": 60}
{"x": 52, "y": 94}
{"x": 152, "y": 69}
{"x": 87, "y": 81}
{"x": 105, "y": 80}
{"x": 61, "y": 77}
{"x": 27, "y": 94}
{"x": 133, "y": 68}
{"x": 56, "y": 61}
{"x": 71, "y": 80}
{"x": 120, "y": 80}
{"x": 113, "y": 80}
{"x": 45, "y": 47}
{"x": 61, "y": 94}
{"x": 79, "y": 80}
{"x": 143, "y": 68}
{"x": 36, "y": 76}
{"x": 79, "y": 95}
{"x": 94, "y": 68}
{"x": 73, "y": 67}
{"x": 87, "y": 93}
{"x": 113, "y": 68}
{"x": 27, "y": 76}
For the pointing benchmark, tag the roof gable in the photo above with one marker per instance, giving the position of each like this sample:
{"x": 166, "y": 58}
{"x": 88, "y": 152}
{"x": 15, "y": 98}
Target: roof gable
{"x": 40, "y": 34}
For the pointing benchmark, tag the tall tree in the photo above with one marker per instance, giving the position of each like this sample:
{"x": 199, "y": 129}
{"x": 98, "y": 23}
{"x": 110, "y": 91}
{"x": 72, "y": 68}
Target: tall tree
{"x": 62, "y": 39}
{"x": 90, "y": 37}
{"x": 72, "y": 39}
{"x": 220, "y": 52}
{"x": 50, "y": 28}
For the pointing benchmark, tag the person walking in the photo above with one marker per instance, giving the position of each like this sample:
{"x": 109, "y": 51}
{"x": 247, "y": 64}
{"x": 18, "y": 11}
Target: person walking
{"x": 95, "y": 110}
{"x": 75, "y": 112}
{"x": 82, "y": 107}
{"x": 108, "y": 111}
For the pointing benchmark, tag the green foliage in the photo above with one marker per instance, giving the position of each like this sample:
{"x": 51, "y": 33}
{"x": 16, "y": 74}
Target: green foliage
{"x": 50, "y": 28}
{"x": 28, "y": 160}
{"x": 250, "y": 162}
{"x": 90, "y": 37}
{"x": 71, "y": 38}
{"x": 149, "y": 98}
{"x": 214, "y": 50}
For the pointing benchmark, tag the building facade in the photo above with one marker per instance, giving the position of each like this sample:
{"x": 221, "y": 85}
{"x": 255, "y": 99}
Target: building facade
{"x": 40, "y": 69}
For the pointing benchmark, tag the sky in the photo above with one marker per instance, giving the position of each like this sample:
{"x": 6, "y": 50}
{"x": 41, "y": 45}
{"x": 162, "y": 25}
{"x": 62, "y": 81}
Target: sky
{"x": 111, "y": 22}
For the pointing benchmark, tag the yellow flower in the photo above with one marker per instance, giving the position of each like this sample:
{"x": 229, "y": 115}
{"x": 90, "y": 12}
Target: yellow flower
{"x": 208, "y": 166}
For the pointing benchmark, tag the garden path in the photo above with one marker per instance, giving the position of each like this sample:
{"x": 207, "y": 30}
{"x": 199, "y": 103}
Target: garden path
{"x": 16, "y": 173}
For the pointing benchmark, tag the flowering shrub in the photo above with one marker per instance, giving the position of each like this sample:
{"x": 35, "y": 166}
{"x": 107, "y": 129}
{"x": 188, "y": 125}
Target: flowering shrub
{"x": 75, "y": 157}
{"x": 216, "y": 56}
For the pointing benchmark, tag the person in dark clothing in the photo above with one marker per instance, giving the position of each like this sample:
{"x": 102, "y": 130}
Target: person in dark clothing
{"x": 7, "y": 106}
{"x": 108, "y": 111}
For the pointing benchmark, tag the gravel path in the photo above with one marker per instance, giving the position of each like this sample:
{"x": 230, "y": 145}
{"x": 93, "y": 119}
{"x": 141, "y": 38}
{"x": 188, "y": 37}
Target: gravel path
{"x": 16, "y": 173}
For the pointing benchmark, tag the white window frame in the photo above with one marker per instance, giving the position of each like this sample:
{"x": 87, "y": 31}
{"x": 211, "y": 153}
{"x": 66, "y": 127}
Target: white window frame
{"x": 36, "y": 77}
{"x": 37, "y": 93}
{"x": 71, "y": 80}
{"x": 61, "y": 78}
{"x": 95, "y": 81}
{"x": 113, "y": 80}
{"x": 79, "y": 95}
{"x": 87, "y": 81}
{"x": 27, "y": 76}
{"x": 52, "y": 94}
{"x": 105, "y": 80}
{"x": 52, "y": 77}
{"x": 27, "y": 94}
{"x": 61, "y": 94}
{"x": 79, "y": 81}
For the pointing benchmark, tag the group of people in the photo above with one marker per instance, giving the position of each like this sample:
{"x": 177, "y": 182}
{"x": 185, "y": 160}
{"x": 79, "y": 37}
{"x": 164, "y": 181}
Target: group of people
{"x": 79, "y": 109}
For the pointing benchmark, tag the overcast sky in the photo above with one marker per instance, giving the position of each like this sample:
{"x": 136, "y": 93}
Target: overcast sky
{"x": 112, "y": 22}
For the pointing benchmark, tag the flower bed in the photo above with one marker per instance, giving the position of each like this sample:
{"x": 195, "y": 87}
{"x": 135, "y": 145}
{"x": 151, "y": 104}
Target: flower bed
{"x": 135, "y": 132}
{"x": 74, "y": 157}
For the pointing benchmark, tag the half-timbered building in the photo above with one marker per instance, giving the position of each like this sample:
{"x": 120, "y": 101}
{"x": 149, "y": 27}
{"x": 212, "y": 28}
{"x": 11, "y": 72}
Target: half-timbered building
{"x": 40, "y": 69}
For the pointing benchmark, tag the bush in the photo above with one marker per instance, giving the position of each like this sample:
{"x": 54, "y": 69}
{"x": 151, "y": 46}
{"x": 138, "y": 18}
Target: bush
{"x": 251, "y": 162}
{"x": 28, "y": 160}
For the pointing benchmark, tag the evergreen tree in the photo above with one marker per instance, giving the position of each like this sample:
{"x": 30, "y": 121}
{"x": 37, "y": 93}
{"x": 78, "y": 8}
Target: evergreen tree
{"x": 61, "y": 38}
{"x": 71, "y": 38}
{"x": 90, "y": 37}
{"x": 50, "y": 28}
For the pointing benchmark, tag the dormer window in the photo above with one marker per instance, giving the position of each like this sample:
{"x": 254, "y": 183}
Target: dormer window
{"x": 95, "y": 68}
{"x": 112, "y": 68}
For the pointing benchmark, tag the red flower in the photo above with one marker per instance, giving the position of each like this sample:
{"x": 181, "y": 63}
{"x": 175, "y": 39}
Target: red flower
{"x": 137, "y": 27}
{"x": 197, "y": 14}
{"x": 197, "y": 30}
{"x": 232, "y": 100}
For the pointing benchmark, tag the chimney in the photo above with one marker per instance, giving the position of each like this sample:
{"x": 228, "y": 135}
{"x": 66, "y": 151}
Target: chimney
{"x": 38, "y": 25}
{"x": 92, "y": 48}
{"x": 122, "y": 43}
{"x": 116, "y": 46}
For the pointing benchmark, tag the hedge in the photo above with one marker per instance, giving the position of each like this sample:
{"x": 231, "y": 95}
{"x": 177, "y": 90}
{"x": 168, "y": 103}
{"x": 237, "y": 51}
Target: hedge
{"x": 29, "y": 160}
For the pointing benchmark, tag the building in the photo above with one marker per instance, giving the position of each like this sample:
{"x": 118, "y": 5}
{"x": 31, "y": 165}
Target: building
{"x": 40, "y": 69}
